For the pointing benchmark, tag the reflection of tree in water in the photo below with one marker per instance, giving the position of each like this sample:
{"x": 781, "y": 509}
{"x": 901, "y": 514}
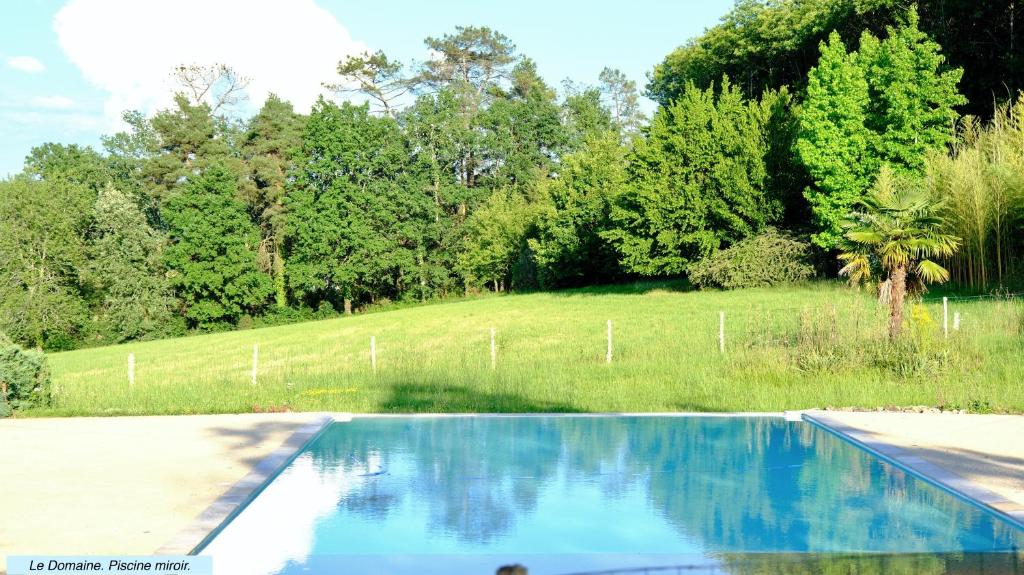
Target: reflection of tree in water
{"x": 474, "y": 476}
{"x": 889, "y": 564}
{"x": 752, "y": 484}
{"x": 768, "y": 485}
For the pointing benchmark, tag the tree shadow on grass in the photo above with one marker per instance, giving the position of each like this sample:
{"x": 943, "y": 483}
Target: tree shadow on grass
{"x": 441, "y": 398}
{"x": 630, "y": 288}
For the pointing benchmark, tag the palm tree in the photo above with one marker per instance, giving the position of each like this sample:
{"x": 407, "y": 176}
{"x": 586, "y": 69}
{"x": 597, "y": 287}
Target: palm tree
{"x": 900, "y": 231}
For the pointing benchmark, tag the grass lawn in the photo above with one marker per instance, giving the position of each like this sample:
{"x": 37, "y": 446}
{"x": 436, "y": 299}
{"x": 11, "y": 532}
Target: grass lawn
{"x": 786, "y": 348}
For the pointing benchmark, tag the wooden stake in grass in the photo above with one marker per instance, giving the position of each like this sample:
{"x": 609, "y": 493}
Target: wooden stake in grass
{"x": 945, "y": 317}
{"x": 373, "y": 353}
{"x": 721, "y": 332}
{"x": 255, "y": 361}
{"x": 494, "y": 351}
{"x": 956, "y": 321}
{"x": 131, "y": 369}
{"x": 608, "y": 355}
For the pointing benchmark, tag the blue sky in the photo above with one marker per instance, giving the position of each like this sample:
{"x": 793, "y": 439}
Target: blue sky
{"x": 69, "y": 67}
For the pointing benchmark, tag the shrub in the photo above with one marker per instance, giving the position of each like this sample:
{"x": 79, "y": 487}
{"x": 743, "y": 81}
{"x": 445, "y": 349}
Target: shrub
{"x": 24, "y": 377}
{"x": 767, "y": 259}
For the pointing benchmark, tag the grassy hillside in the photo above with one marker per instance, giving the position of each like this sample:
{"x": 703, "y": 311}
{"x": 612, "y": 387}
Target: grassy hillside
{"x": 800, "y": 347}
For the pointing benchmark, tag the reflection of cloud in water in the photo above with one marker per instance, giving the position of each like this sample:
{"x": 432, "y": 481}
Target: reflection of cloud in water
{"x": 279, "y": 526}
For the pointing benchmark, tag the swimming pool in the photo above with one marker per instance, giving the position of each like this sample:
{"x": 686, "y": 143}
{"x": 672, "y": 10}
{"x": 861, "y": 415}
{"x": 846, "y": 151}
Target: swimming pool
{"x": 567, "y": 494}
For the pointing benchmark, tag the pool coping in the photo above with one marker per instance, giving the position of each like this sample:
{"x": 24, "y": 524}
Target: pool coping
{"x": 956, "y": 485}
{"x": 219, "y": 513}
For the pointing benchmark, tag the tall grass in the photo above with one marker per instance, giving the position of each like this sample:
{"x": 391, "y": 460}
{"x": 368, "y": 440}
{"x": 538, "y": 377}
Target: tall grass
{"x": 786, "y": 348}
{"x": 982, "y": 183}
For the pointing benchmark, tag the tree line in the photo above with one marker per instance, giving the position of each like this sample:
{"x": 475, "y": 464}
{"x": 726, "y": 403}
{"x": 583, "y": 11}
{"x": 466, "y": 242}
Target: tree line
{"x": 469, "y": 172}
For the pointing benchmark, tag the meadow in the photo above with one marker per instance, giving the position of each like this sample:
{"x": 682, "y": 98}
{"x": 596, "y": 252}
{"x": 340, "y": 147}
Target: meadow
{"x": 818, "y": 345}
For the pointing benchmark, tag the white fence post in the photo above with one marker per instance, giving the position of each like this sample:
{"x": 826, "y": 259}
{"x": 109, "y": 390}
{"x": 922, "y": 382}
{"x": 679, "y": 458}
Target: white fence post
{"x": 945, "y": 317}
{"x": 721, "y": 332}
{"x": 956, "y": 321}
{"x": 608, "y": 355}
{"x": 131, "y": 369}
{"x": 255, "y": 361}
{"x": 494, "y": 351}
{"x": 373, "y": 353}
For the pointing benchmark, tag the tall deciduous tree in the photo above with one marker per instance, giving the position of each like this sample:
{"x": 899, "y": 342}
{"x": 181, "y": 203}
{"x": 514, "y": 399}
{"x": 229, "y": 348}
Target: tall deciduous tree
{"x": 495, "y": 236}
{"x": 213, "y": 247}
{"x": 357, "y": 209}
{"x": 125, "y": 267}
{"x": 888, "y": 104}
{"x": 698, "y": 183}
{"x": 42, "y": 250}
{"x": 834, "y": 143}
{"x": 569, "y": 249}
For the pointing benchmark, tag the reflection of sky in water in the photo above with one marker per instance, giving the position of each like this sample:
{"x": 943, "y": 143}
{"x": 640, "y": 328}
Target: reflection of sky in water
{"x": 574, "y": 492}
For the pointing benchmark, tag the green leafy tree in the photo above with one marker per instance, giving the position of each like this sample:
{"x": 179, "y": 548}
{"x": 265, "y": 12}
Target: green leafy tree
{"x": 891, "y": 103}
{"x": 124, "y": 265}
{"x": 357, "y": 210}
{"x": 495, "y": 236}
{"x": 128, "y": 153}
{"x": 697, "y": 183}
{"x": 73, "y": 164}
{"x": 900, "y": 229}
{"x": 834, "y": 142}
{"x": 42, "y": 250}
{"x": 583, "y": 116}
{"x": 434, "y": 128}
{"x": 913, "y": 96}
{"x": 768, "y": 45}
{"x": 568, "y": 248}
{"x": 212, "y": 254}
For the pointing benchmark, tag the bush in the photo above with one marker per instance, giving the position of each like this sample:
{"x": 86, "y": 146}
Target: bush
{"x": 24, "y": 377}
{"x": 767, "y": 259}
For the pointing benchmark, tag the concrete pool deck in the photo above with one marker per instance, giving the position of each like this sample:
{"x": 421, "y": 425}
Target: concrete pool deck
{"x": 123, "y": 485}
{"x": 131, "y": 485}
{"x": 980, "y": 456}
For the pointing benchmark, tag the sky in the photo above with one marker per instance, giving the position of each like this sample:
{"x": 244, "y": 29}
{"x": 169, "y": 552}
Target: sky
{"x": 69, "y": 68}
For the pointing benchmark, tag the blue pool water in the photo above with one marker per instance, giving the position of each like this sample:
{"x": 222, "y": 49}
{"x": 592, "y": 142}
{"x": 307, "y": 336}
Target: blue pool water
{"x": 570, "y": 494}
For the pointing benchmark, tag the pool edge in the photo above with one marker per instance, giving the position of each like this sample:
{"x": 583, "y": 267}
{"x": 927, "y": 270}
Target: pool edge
{"x": 931, "y": 473}
{"x": 218, "y": 514}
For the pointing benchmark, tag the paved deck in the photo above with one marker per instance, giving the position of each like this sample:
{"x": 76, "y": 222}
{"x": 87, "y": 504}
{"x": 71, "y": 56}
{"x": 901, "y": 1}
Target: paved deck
{"x": 979, "y": 455}
{"x": 122, "y": 485}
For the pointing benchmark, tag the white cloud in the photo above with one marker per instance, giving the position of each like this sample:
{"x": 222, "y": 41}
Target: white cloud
{"x": 52, "y": 102}
{"x": 129, "y": 48}
{"x": 26, "y": 64}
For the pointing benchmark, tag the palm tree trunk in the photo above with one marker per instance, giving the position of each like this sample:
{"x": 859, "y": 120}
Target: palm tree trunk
{"x": 898, "y": 277}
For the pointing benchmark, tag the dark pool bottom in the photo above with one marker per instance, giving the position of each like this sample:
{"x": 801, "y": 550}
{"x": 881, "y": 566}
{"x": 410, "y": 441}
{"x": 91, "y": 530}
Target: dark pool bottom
{"x": 572, "y": 494}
